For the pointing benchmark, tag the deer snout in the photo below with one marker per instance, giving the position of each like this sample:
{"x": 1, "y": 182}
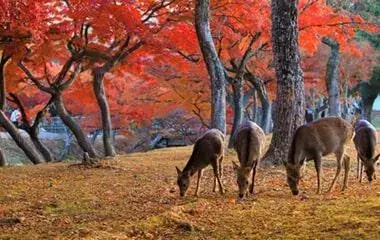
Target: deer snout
{"x": 295, "y": 192}
{"x": 241, "y": 195}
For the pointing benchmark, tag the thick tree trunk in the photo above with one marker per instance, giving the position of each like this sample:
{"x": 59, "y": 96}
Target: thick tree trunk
{"x": 289, "y": 110}
{"x": 28, "y": 149}
{"x": 3, "y": 158}
{"x": 214, "y": 67}
{"x": 332, "y": 77}
{"x": 98, "y": 85}
{"x": 74, "y": 127}
{"x": 238, "y": 109}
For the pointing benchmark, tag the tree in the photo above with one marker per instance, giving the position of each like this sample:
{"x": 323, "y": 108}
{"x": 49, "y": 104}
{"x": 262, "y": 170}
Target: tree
{"x": 29, "y": 150}
{"x": 57, "y": 87}
{"x": 289, "y": 110}
{"x": 332, "y": 74}
{"x": 213, "y": 64}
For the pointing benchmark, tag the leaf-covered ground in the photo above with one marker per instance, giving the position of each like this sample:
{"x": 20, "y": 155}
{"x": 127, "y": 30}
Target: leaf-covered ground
{"x": 135, "y": 197}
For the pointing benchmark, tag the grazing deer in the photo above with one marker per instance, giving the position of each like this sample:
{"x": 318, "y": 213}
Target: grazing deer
{"x": 208, "y": 149}
{"x": 365, "y": 144}
{"x": 249, "y": 144}
{"x": 314, "y": 140}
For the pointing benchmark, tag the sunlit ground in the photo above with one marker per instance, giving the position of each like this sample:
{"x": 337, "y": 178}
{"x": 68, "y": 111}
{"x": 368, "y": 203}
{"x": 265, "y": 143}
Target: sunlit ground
{"x": 135, "y": 197}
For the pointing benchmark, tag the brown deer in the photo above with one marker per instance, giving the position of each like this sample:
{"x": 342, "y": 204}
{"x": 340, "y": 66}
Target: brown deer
{"x": 314, "y": 140}
{"x": 365, "y": 144}
{"x": 208, "y": 149}
{"x": 249, "y": 144}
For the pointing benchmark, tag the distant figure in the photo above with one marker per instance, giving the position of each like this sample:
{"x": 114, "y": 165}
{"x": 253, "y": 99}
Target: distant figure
{"x": 15, "y": 117}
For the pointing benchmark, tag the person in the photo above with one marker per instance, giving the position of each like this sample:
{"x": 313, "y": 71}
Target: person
{"x": 15, "y": 117}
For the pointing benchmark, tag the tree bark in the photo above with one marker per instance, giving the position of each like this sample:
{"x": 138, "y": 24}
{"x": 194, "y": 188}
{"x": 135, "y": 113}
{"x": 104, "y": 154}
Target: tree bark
{"x": 28, "y": 149}
{"x": 290, "y": 108}
{"x": 98, "y": 85}
{"x": 3, "y": 158}
{"x": 213, "y": 64}
{"x": 3, "y": 62}
{"x": 74, "y": 127}
{"x": 237, "y": 90}
{"x": 332, "y": 77}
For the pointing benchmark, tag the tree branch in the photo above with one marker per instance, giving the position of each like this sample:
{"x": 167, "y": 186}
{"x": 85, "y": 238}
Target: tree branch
{"x": 71, "y": 78}
{"x": 34, "y": 79}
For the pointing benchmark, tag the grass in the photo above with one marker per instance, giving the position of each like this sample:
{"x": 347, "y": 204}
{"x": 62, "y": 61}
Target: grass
{"x": 135, "y": 197}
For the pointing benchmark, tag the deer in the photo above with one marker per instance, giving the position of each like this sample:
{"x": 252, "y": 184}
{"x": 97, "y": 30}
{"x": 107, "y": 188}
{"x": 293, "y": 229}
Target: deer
{"x": 314, "y": 140}
{"x": 208, "y": 150}
{"x": 365, "y": 144}
{"x": 249, "y": 143}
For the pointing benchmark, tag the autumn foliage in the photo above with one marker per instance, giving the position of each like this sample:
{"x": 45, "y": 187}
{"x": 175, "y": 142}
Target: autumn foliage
{"x": 153, "y": 57}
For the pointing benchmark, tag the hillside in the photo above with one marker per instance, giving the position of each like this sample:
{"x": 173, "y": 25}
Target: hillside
{"x": 135, "y": 197}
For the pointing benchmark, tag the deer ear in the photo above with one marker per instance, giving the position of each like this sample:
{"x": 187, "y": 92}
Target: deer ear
{"x": 178, "y": 171}
{"x": 235, "y": 165}
{"x": 377, "y": 157}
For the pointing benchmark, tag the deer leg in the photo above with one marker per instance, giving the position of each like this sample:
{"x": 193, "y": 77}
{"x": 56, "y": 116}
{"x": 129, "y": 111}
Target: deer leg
{"x": 214, "y": 187}
{"x": 318, "y": 167}
{"x": 215, "y": 167}
{"x": 253, "y": 177}
{"x": 357, "y": 165}
{"x": 339, "y": 158}
{"x": 361, "y": 171}
{"x": 198, "y": 182}
{"x": 221, "y": 168}
{"x": 346, "y": 162}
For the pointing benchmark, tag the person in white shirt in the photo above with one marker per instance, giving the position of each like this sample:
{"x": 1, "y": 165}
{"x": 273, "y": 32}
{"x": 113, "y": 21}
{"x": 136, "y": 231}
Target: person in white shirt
{"x": 15, "y": 117}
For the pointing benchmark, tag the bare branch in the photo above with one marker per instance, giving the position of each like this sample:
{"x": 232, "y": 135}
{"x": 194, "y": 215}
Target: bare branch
{"x": 71, "y": 78}
{"x": 34, "y": 79}
{"x": 191, "y": 57}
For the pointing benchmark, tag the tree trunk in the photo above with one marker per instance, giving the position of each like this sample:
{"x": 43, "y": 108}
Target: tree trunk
{"x": 332, "y": 77}
{"x": 266, "y": 117}
{"x": 98, "y": 85}
{"x": 3, "y": 158}
{"x": 214, "y": 67}
{"x": 367, "y": 105}
{"x": 3, "y": 61}
{"x": 266, "y": 113}
{"x": 237, "y": 89}
{"x": 254, "y": 107}
{"x": 46, "y": 153}
{"x": 290, "y": 107}
{"x": 74, "y": 127}
{"x": 28, "y": 149}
